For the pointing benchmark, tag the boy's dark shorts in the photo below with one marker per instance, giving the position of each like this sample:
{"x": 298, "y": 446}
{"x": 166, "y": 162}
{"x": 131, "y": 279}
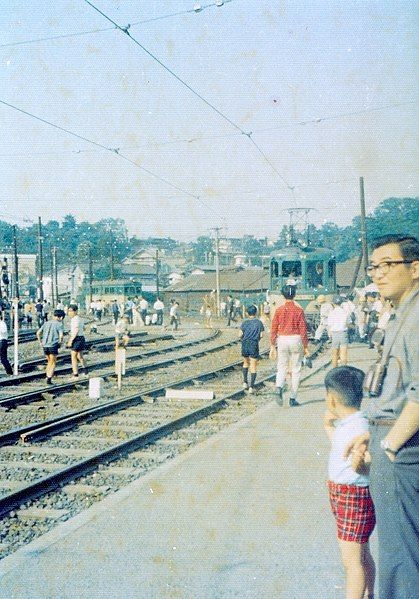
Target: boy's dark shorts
{"x": 250, "y": 349}
{"x": 52, "y": 350}
{"x": 79, "y": 343}
{"x": 353, "y": 509}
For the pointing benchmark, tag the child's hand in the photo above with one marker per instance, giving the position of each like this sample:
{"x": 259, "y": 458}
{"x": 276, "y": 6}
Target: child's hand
{"x": 361, "y": 461}
{"x": 329, "y": 418}
{"x": 272, "y": 353}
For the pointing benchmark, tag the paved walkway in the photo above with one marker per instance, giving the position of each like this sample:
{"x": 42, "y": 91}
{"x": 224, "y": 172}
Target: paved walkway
{"x": 243, "y": 515}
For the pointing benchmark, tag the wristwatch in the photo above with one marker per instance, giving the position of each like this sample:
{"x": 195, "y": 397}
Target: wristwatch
{"x": 384, "y": 444}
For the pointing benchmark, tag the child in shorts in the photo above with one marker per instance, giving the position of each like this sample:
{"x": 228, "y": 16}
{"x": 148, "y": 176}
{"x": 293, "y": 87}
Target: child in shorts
{"x": 349, "y": 494}
{"x": 251, "y": 331}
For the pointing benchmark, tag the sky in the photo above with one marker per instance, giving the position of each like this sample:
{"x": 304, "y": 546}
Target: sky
{"x": 298, "y": 99}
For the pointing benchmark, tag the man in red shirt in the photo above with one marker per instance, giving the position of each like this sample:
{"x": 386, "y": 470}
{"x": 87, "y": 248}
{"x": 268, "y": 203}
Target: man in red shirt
{"x": 288, "y": 343}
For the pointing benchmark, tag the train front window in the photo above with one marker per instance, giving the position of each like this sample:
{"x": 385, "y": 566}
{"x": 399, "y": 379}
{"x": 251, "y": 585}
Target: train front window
{"x": 291, "y": 272}
{"x": 315, "y": 273}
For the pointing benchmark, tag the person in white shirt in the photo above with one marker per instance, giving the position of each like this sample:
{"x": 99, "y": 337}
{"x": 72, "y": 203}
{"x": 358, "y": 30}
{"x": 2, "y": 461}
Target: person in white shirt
{"x": 349, "y": 493}
{"x": 325, "y": 309}
{"x": 159, "y": 308}
{"x": 174, "y": 318}
{"x": 143, "y": 305}
{"x": 76, "y": 341}
{"x": 337, "y": 322}
{"x": 4, "y": 333}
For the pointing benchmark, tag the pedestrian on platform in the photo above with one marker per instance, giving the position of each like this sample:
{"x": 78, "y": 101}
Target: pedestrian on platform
{"x": 230, "y": 310}
{"x": 251, "y": 332}
{"x": 50, "y": 337}
{"x": 143, "y": 306}
{"x": 39, "y": 309}
{"x": 115, "y": 311}
{"x": 159, "y": 308}
{"x": 349, "y": 493}
{"x": 289, "y": 343}
{"x": 393, "y": 413}
{"x": 173, "y": 314}
{"x": 76, "y": 341}
{"x": 337, "y": 322}
{"x": 46, "y": 310}
{"x": 4, "y": 334}
{"x": 325, "y": 309}
{"x": 122, "y": 332}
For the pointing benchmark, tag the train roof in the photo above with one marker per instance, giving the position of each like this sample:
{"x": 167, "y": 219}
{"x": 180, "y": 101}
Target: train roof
{"x": 298, "y": 252}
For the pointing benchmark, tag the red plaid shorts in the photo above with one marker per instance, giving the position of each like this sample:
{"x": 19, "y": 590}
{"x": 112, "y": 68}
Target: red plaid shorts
{"x": 353, "y": 509}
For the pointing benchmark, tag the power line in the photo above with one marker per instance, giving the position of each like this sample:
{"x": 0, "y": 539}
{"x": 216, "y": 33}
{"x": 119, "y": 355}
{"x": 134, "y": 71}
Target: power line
{"x": 198, "y": 137}
{"x": 113, "y": 151}
{"x": 165, "y": 67}
{"x": 192, "y": 90}
{"x": 90, "y": 31}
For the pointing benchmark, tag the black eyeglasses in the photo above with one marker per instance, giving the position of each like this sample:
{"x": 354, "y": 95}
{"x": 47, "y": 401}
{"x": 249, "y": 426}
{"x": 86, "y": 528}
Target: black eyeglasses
{"x": 384, "y": 267}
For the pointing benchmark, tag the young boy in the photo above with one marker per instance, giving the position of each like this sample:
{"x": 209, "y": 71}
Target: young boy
{"x": 50, "y": 337}
{"x": 251, "y": 331}
{"x": 349, "y": 493}
{"x": 76, "y": 341}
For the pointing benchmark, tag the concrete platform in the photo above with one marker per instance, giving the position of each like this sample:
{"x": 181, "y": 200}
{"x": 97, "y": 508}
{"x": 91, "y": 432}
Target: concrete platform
{"x": 244, "y": 514}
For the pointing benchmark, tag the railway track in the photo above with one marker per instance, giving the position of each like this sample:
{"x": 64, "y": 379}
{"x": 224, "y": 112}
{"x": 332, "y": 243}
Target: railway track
{"x": 138, "y": 363}
{"x": 61, "y": 467}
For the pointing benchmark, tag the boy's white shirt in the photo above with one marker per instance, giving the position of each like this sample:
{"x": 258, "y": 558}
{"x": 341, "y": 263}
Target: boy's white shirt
{"x": 340, "y": 469}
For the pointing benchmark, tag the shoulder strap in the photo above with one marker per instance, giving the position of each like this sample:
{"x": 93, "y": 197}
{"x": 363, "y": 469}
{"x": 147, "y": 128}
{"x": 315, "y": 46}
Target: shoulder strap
{"x": 386, "y": 353}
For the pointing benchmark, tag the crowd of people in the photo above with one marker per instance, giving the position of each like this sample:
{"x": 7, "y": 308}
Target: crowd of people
{"x": 373, "y": 471}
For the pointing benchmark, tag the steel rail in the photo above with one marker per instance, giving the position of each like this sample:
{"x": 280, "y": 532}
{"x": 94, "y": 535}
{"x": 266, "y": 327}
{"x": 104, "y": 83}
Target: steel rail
{"x": 30, "y": 396}
{"x": 83, "y": 467}
{"x": 31, "y": 376}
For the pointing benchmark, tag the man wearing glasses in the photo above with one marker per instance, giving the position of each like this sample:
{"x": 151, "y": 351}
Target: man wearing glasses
{"x": 393, "y": 440}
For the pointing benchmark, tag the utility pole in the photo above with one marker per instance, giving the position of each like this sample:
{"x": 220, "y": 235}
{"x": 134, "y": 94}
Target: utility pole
{"x": 40, "y": 262}
{"x": 363, "y": 224}
{"x": 217, "y": 266}
{"x": 89, "y": 256}
{"x": 157, "y": 274}
{"x": 51, "y": 266}
{"x": 54, "y": 275}
{"x": 16, "y": 263}
{"x": 112, "y": 257}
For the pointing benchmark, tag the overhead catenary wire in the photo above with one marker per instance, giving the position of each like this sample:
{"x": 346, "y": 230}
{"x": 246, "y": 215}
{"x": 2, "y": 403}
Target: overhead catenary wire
{"x": 90, "y": 31}
{"x": 198, "y": 137}
{"x": 125, "y": 30}
{"x": 114, "y": 151}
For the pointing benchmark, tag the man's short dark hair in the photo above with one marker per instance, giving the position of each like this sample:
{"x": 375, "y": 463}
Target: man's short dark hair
{"x": 73, "y": 307}
{"x": 251, "y": 310}
{"x": 59, "y": 313}
{"x": 347, "y": 382}
{"x": 288, "y": 291}
{"x": 408, "y": 244}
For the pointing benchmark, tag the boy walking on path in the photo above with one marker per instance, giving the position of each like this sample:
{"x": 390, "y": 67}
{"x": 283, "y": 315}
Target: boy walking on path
{"x": 50, "y": 336}
{"x": 349, "y": 493}
{"x": 251, "y": 331}
{"x": 76, "y": 341}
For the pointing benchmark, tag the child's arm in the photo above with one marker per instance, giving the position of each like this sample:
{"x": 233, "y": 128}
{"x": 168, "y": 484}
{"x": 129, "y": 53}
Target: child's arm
{"x": 328, "y": 422}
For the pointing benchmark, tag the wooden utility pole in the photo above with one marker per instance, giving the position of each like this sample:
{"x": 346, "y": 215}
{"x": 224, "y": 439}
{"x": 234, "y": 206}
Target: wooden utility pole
{"x": 217, "y": 266}
{"x": 16, "y": 264}
{"x": 363, "y": 224}
{"x": 89, "y": 255}
{"x": 157, "y": 274}
{"x": 54, "y": 275}
{"x": 40, "y": 262}
{"x": 112, "y": 257}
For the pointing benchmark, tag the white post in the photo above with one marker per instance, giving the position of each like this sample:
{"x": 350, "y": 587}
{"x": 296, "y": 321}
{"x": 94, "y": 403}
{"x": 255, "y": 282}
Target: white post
{"x": 16, "y": 336}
